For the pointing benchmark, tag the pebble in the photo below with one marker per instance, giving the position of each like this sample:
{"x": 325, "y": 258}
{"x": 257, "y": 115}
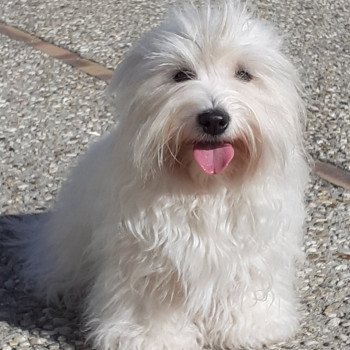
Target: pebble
{"x": 54, "y": 347}
{"x": 344, "y": 337}
{"x": 38, "y": 341}
{"x": 25, "y": 322}
{"x": 13, "y": 343}
{"x": 330, "y": 310}
{"x": 342, "y": 267}
{"x": 59, "y": 321}
{"x": 21, "y": 338}
{"x": 311, "y": 342}
{"x": 64, "y": 330}
{"x": 334, "y": 322}
{"x": 66, "y": 346}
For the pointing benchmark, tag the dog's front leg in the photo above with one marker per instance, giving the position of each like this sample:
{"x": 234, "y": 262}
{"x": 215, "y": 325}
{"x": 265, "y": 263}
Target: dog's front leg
{"x": 128, "y": 310}
{"x": 264, "y": 317}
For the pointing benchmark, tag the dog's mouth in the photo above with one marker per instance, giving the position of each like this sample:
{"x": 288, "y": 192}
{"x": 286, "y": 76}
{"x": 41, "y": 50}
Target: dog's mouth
{"x": 213, "y": 157}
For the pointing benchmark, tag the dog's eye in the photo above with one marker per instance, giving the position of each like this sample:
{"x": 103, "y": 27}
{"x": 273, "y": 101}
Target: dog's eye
{"x": 183, "y": 75}
{"x": 243, "y": 75}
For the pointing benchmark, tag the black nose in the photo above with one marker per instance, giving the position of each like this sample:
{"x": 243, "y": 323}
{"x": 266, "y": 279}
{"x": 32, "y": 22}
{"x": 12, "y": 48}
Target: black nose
{"x": 213, "y": 121}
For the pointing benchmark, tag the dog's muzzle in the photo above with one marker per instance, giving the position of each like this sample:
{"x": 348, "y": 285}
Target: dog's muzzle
{"x": 213, "y": 121}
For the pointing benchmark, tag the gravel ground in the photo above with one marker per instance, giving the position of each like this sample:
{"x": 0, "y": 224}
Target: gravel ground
{"x": 49, "y": 112}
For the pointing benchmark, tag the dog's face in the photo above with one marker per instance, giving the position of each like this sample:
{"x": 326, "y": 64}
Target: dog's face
{"x": 209, "y": 93}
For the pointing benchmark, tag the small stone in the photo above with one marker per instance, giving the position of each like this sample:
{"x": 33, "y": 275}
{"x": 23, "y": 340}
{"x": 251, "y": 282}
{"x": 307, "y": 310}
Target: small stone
{"x": 343, "y": 337}
{"x": 42, "y": 320}
{"x": 311, "y": 342}
{"x": 20, "y": 339}
{"x": 47, "y": 334}
{"x": 25, "y": 323}
{"x": 9, "y": 284}
{"x": 313, "y": 256}
{"x": 58, "y": 321}
{"x": 6, "y": 347}
{"x": 48, "y": 327}
{"x": 330, "y": 310}
{"x": 38, "y": 341}
{"x": 13, "y": 343}
{"x": 342, "y": 267}
{"x": 334, "y": 322}
{"x": 54, "y": 347}
{"x": 79, "y": 343}
{"x": 64, "y": 330}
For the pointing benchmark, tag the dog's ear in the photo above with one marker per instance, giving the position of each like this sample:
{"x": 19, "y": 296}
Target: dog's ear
{"x": 123, "y": 74}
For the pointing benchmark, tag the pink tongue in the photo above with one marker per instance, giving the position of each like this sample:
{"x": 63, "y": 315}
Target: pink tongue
{"x": 213, "y": 158}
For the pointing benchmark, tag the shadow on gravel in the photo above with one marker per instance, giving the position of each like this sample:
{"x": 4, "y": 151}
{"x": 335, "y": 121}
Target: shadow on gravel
{"x": 48, "y": 326}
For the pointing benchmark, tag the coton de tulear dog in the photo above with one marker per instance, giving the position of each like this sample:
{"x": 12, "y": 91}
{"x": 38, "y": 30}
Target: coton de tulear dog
{"x": 181, "y": 227}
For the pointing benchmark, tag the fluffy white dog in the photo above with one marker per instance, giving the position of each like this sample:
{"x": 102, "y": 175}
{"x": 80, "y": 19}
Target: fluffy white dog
{"x": 180, "y": 228}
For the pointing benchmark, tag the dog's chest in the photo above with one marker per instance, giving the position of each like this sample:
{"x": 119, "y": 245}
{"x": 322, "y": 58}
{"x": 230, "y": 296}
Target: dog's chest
{"x": 203, "y": 218}
{"x": 199, "y": 234}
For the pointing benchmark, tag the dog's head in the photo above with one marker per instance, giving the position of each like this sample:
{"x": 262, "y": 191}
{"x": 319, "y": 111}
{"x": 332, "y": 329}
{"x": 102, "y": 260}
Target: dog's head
{"x": 207, "y": 93}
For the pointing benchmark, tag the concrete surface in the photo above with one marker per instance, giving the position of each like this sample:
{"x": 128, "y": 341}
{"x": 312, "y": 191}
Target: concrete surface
{"x": 49, "y": 112}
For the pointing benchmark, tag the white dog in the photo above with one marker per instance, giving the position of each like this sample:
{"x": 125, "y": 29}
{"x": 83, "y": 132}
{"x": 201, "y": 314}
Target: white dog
{"x": 181, "y": 227}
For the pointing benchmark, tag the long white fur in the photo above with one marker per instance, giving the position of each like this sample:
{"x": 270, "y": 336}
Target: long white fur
{"x": 165, "y": 256}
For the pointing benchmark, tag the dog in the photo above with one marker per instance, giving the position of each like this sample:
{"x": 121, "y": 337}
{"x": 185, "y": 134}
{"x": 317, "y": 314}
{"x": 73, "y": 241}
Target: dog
{"x": 181, "y": 228}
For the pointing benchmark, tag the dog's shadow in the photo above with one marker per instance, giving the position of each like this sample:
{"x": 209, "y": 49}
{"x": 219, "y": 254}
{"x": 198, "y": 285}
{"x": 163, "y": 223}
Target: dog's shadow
{"x": 19, "y": 309}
